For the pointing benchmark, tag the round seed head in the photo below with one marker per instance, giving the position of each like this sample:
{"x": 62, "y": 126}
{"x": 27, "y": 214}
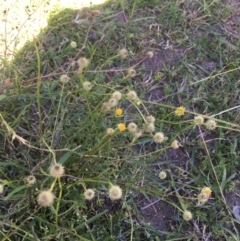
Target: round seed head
{"x": 150, "y": 54}
{"x": 198, "y": 120}
{"x": 131, "y": 72}
{"x": 45, "y": 198}
{"x": 110, "y": 131}
{"x": 89, "y": 194}
{"x": 187, "y": 215}
{"x": 30, "y": 180}
{"x": 150, "y": 119}
{"x": 175, "y": 144}
{"x": 162, "y": 175}
{"x": 123, "y": 53}
{"x": 64, "y": 79}
{"x": 132, "y": 95}
{"x": 159, "y": 137}
{"x": 112, "y": 102}
{"x": 83, "y": 62}
{"x": 106, "y": 106}
{"x": 150, "y": 128}
{"x": 115, "y": 192}
{"x": 73, "y": 44}
{"x": 56, "y": 170}
{"x": 132, "y": 127}
{"x": 211, "y": 124}
{"x": 87, "y": 85}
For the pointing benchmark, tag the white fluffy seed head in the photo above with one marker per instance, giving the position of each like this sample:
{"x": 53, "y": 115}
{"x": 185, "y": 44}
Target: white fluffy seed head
{"x": 211, "y": 124}
{"x": 187, "y": 215}
{"x": 198, "y": 120}
{"x": 115, "y": 192}
{"x": 132, "y": 127}
{"x": 56, "y": 170}
{"x": 159, "y": 137}
{"x": 45, "y": 198}
{"x": 89, "y": 194}
{"x": 87, "y": 85}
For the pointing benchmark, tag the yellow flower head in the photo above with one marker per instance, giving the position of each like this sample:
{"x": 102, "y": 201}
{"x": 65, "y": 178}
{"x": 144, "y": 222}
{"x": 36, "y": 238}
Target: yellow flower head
{"x": 207, "y": 191}
{"x": 45, "y": 198}
{"x": 122, "y": 127}
{"x": 115, "y": 192}
{"x": 56, "y": 170}
{"x": 180, "y": 111}
{"x": 89, "y": 194}
{"x": 118, "y": 111}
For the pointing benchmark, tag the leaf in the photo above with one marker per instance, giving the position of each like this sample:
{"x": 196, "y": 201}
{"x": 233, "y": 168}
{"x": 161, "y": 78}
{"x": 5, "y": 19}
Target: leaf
{"x": 2, "y": 97}
{"x": 15, "y": 191}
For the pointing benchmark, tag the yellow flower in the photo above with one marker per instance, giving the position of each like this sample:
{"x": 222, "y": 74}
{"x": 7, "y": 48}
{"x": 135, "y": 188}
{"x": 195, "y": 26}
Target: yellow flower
{"x": 121, "y": 127}
{"x": 118, "y": 111}
{"x": 207, "y": 191}
{"x": 180, "y": 111}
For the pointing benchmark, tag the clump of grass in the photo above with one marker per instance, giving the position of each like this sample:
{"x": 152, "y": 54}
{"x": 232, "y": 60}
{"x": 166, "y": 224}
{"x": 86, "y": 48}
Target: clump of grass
{"x": 82, "y": 138}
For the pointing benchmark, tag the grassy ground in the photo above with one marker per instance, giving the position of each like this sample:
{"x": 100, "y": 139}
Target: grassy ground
{"x": 177, "y": 177}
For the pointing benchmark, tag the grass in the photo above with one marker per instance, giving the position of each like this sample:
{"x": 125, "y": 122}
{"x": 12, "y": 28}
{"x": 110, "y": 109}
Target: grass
{"x": 47, "y": 119}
